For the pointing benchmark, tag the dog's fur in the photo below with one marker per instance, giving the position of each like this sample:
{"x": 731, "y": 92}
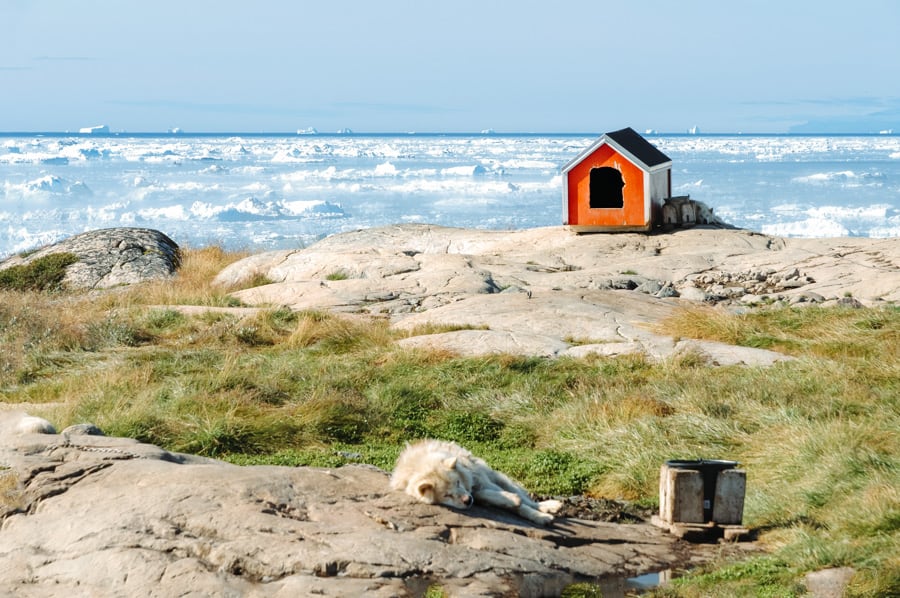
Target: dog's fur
{"x": 441, "y": 472}
{"x": 31, "y": 424}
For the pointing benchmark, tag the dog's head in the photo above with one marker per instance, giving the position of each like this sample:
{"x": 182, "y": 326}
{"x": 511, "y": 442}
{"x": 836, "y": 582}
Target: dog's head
{"x": 443, "y": 484}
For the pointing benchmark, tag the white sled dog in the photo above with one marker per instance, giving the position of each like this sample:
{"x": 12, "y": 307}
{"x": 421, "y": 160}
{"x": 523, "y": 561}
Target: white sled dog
{"x": 437, "y": 471}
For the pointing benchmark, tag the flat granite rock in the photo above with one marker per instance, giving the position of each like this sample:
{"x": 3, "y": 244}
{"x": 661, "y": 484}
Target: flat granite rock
{"x": 89, "y": 515}
{"x": 551, "y": 292}
{"x": 555, "y": 258}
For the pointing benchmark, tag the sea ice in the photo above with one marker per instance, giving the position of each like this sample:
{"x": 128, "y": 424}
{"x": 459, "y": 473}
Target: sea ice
{"x": 197, "y": 188}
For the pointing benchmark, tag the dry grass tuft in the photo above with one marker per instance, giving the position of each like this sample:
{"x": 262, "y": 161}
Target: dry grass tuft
{"x": 192, "y": 285}
{"x": 10, "y": 491}
{"x": 338, "y": 332}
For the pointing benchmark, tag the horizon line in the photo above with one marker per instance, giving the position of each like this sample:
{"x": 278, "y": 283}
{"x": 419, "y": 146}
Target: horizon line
{"x": 483, "y": 133}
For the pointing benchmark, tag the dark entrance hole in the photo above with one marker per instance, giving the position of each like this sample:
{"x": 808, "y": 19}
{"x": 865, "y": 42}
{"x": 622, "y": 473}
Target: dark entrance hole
{"x": 606, "y": 188}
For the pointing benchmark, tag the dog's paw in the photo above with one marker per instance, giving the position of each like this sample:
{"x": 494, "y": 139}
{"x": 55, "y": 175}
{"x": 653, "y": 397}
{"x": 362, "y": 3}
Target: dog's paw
{"x": 550, "y": 506}
{"x": 541, "y": 518}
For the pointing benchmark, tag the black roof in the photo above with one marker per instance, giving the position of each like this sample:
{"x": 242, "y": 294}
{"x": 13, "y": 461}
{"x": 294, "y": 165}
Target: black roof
{"x": 639, "y": 147}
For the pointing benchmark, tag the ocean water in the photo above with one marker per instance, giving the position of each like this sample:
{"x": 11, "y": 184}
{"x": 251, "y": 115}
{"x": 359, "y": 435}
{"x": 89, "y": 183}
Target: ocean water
{"x": 284, "y": 191}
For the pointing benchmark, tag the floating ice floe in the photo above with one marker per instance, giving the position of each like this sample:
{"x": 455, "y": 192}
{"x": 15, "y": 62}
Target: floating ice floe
{"x": 49, "y": 184}
{"x": 844, "y": 177}
{"x": 386, "y": 169}
{"x": 808, "y": 228}
{"x": 469, "y": 170}
{"x": 253, "y": 209}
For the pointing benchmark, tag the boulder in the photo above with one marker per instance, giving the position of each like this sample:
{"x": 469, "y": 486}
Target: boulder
{"x": 90, "y": 515}
{"x": 111, "y": 257}
{"x": 829, "y": 583}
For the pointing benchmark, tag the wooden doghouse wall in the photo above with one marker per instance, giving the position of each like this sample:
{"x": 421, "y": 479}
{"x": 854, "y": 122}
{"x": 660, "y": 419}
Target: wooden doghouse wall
{"x": 634, "y": 210}
{"x": 660, "y": 190}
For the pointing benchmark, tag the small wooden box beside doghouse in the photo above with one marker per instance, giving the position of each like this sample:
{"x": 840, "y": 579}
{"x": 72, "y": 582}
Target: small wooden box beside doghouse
{"x": 623, "y": 183}
{"x": 700, "y": 499}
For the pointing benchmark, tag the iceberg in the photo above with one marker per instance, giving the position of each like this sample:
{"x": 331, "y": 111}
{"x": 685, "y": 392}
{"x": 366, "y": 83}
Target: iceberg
{"x": 96, "y": 130}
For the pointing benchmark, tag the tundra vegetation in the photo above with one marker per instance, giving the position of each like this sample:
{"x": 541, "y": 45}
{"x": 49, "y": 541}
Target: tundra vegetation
{"x": 818, "y": 435}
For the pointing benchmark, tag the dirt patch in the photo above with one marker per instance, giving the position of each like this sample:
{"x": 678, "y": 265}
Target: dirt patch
{"x": 601, "y": 509}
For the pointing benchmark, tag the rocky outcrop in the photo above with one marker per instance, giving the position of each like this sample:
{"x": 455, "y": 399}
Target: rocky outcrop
{"x": 111, "y": 257}
{"x": 88, "y": 515}
{"x": 551, "y": 292}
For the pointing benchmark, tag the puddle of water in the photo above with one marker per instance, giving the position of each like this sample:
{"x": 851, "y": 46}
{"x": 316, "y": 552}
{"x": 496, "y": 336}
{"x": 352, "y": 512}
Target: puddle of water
{"x": 610, "y": 587}
{"x": 648, "y": 581}
{"x": 622, "y": 587}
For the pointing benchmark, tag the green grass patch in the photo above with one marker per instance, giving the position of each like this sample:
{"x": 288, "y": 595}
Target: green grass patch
{"x": 42, "y": 274}
{"x": 338, "y": 275}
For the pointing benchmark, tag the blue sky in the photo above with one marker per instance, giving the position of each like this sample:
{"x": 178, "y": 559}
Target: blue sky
{"x": 460, "y": 66}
